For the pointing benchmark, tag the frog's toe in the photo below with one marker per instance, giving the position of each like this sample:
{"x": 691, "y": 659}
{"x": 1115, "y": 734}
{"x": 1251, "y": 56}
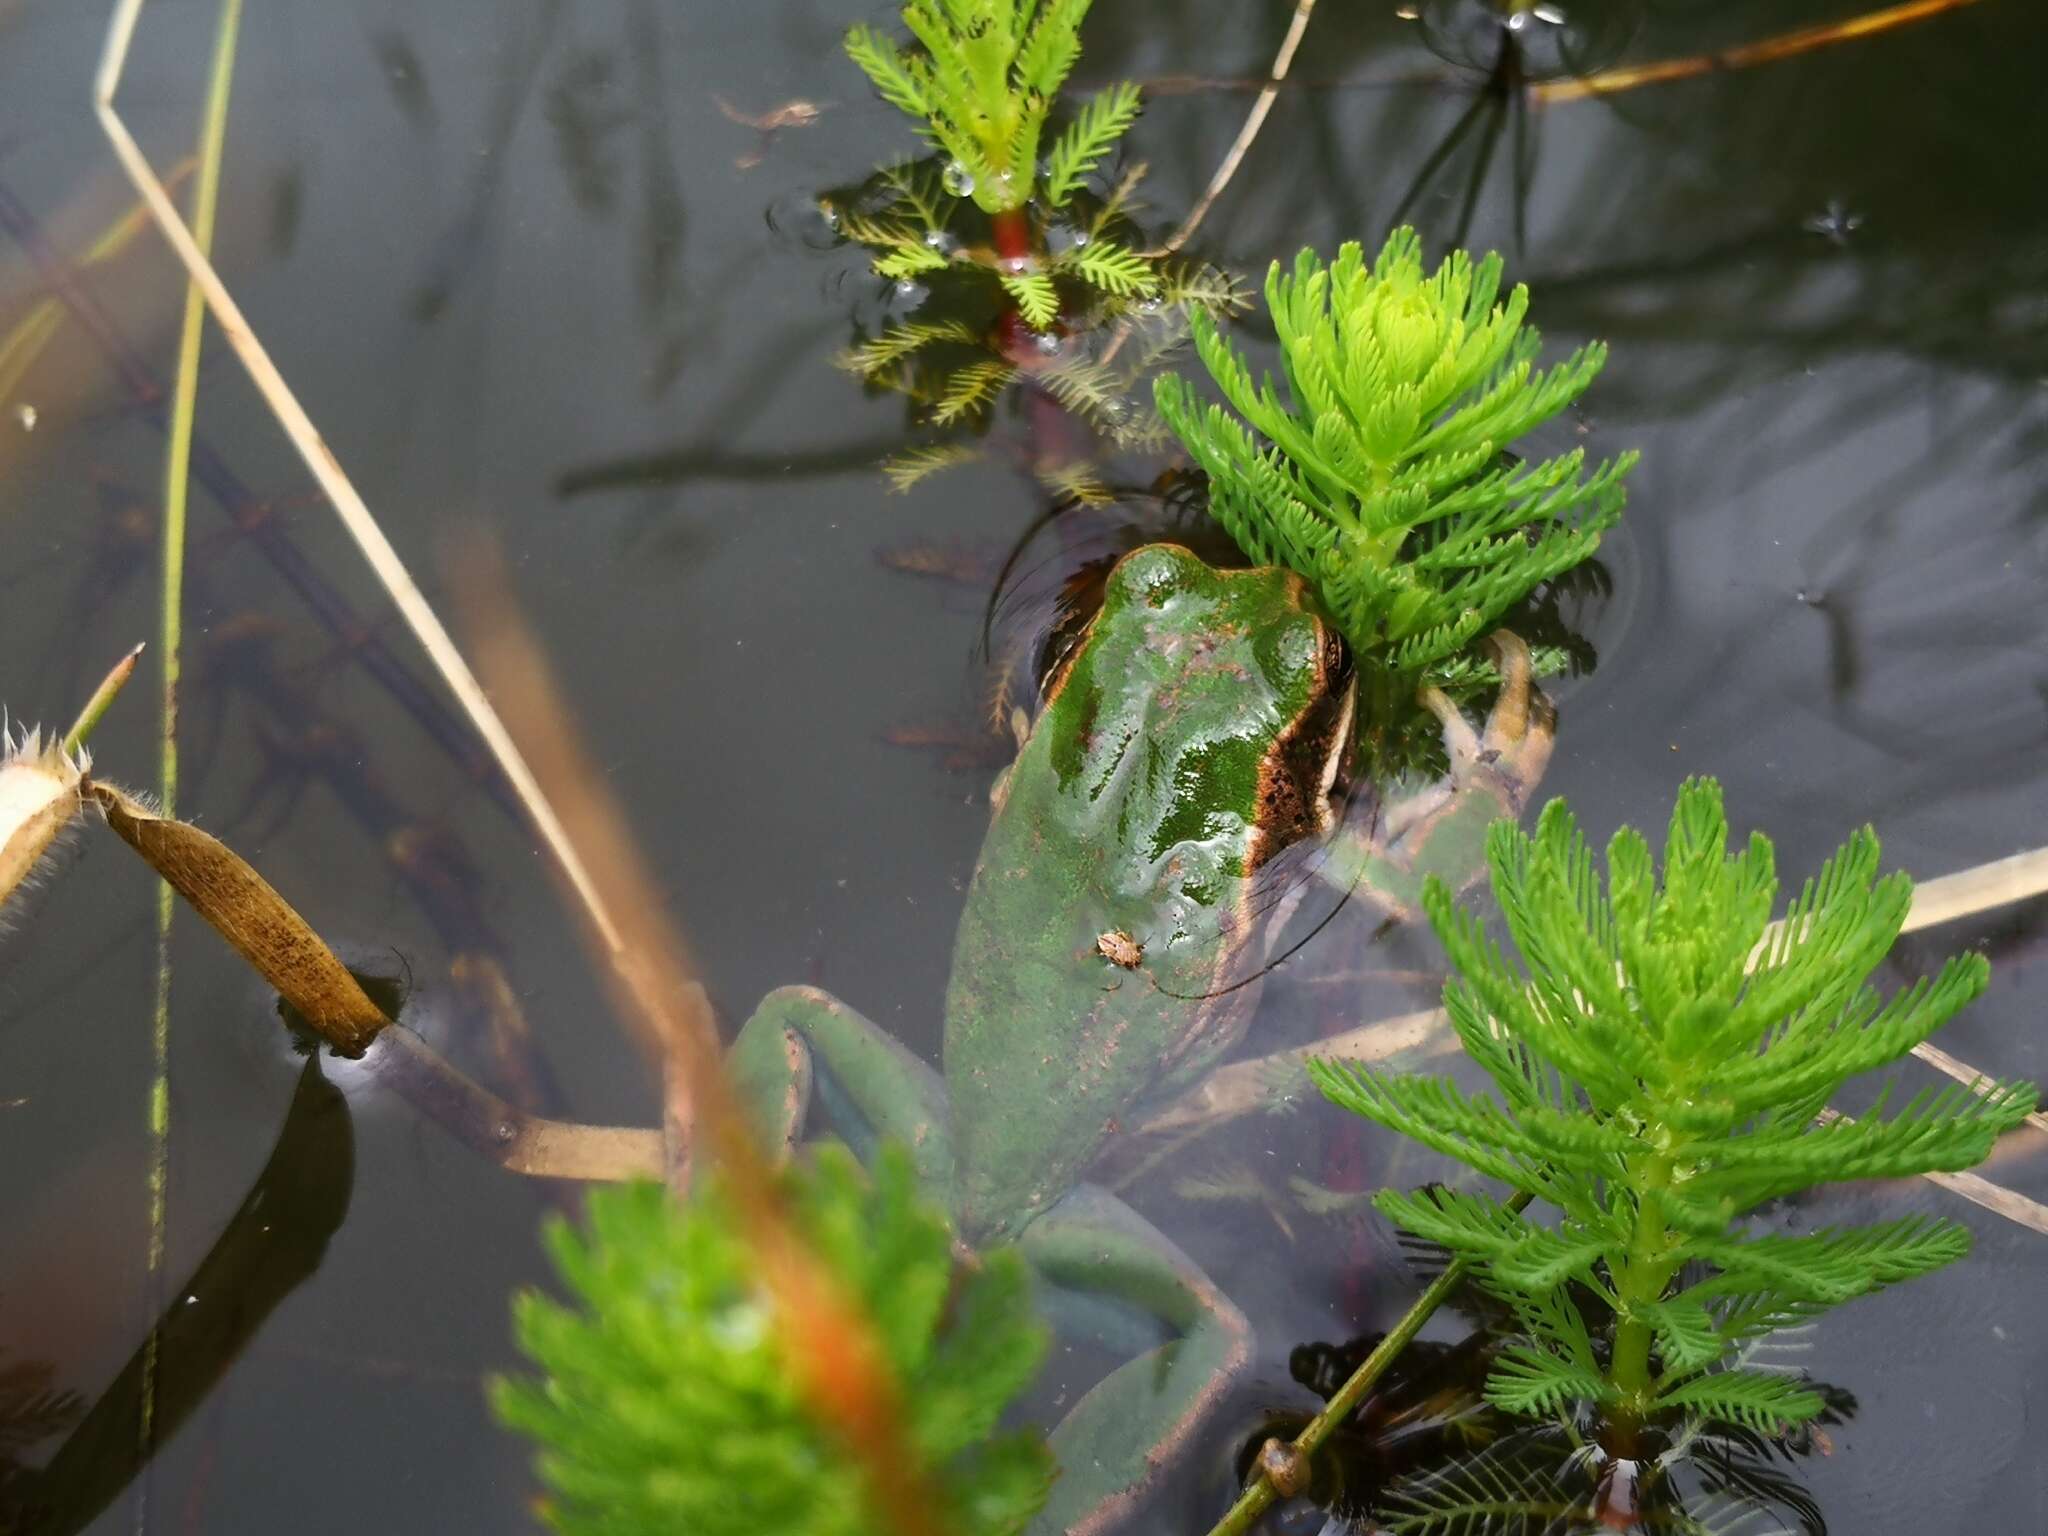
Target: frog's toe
{"x": 1521, "y": 728}
{"x": 1509, "y": 719}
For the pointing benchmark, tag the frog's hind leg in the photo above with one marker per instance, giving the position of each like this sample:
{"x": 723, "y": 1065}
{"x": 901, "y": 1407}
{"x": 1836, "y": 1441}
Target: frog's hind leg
{"x": 803, "y": 1043}
{"x": 1127, "y": 1432}
{"x": 1505, "y": 759}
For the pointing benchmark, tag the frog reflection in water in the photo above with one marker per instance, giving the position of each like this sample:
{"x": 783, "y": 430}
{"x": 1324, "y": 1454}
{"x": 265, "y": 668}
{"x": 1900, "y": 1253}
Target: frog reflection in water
{"x": 1183, "y": 760}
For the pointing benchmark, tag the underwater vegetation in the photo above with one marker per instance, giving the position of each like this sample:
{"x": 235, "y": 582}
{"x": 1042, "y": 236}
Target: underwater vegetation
{"x": 1664, "y": 1057}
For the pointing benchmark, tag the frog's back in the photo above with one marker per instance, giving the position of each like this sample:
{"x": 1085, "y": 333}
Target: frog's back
{"x": 1190, "y": 739}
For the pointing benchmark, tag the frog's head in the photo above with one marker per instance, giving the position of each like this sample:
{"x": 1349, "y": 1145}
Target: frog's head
{"x": 1212, "y": 707}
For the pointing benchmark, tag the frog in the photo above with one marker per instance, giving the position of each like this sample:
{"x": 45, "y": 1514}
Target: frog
{"x": 1144, "y": 849}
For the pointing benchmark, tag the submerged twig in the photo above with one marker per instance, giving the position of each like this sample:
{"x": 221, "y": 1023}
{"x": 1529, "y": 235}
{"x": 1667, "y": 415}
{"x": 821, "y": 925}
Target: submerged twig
{"x": 326, "y": 469}
{"x": 252, "y": 517}
{"x": 532, "y": 1145}
{"x": 33, "y": 332}
{"x": 1785, "y": 45}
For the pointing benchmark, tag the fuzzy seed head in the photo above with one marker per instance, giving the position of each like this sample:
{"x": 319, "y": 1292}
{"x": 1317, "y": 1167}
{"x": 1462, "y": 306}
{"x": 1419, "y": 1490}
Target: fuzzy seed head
{"x": 39, "y": 798}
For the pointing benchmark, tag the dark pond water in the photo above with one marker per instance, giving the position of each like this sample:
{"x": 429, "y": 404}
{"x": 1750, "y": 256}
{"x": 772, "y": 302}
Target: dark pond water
{"x": 525, "y": 268}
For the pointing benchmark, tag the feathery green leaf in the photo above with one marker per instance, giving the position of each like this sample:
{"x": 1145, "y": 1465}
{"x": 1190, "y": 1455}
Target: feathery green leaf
{"x": 1662, "y": 1067}
{"x": 1404, "y": 391}
{"x": 665, "y": 1394}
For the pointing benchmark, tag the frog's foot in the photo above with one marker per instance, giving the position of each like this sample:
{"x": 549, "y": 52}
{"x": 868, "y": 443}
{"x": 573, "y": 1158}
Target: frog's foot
{"x": 1506, "y": 759}
{"x": 1105, "y": 1262}
{"x": 1440, "y": 828}
{"x": 802, "y": 1043}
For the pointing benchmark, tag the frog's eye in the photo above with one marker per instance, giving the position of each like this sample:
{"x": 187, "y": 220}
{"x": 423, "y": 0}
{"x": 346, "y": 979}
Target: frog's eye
{"x": 1336, "y": 655}
{"x": 1155, "y": 573}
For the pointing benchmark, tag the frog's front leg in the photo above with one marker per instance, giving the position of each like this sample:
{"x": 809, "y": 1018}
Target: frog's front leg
{"x": 1440, "y": 828}
{"x": 1126, "y": 1433}
{"x": 802, "y": 1042}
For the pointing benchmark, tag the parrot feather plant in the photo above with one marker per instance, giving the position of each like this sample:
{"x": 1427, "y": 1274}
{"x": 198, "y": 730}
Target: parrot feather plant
{"x": 1027, "y": 251}
{"x": 1664, "y": 1058}
{"x": 1383, "y": 478}
{"x": 667, "y": 1401}
{"x": 982, "y": 81}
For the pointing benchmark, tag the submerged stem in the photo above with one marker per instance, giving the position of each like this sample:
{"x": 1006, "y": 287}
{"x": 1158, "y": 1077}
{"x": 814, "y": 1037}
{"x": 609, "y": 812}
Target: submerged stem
{"x": 1259, "y": 1497}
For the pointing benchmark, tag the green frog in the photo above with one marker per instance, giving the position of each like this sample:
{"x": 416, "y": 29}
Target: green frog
{"x": 1144, "y": 849}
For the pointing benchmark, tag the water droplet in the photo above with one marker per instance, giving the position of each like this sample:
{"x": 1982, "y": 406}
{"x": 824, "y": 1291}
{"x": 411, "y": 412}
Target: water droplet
{"x": 26, "y": 415}
{"x": 956, "y": 179}
{"x": 910, "y": 294}
{"x": 1061, "y": 238}
{"x": 1018, "y": 266}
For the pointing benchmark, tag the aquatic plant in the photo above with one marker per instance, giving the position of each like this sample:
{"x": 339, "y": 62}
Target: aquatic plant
{"x": 1384, "y": 480}
{"x": 1026, "y": 259}
{"x": 982, "y": 82}
{"x": 1062, "y": 319}
{"x": 1665, "y": 1064}
{"x": 666, "y": 1403}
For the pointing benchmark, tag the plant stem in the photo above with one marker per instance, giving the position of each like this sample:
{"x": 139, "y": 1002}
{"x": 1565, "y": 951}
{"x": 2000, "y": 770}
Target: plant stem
{"x": 1011, "y": 230}
{"x": 1644, "y": 1274}
{"x": 102, "y": 696}
{"x": 1259, "y": 1497}
{"x": 177, "y": 482}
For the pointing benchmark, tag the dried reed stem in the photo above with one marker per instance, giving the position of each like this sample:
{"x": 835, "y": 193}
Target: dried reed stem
{"x": 1785, "y": 45}
{"x": 327, "y": 471}
{"x": 1254, "y": 120}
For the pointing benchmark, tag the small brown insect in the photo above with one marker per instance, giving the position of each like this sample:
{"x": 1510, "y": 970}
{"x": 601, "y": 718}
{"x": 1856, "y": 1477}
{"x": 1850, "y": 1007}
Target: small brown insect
{"x": 1119, "y": 948}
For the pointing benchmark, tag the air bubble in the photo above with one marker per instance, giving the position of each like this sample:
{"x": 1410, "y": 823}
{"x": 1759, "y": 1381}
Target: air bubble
{"x": 956, "y": 179}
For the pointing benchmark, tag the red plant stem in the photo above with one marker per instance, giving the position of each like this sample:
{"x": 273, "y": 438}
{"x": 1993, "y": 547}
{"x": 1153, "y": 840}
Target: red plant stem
{"x": 1012, "y": 231}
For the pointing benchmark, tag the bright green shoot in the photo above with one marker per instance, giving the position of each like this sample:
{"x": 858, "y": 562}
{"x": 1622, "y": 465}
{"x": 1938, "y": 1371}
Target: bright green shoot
{"x": 668, "y": 1404}
{"x": 1382, "y": 480}
{"x": 983, "y": 80}
{"x": 1664, "y": 1057}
